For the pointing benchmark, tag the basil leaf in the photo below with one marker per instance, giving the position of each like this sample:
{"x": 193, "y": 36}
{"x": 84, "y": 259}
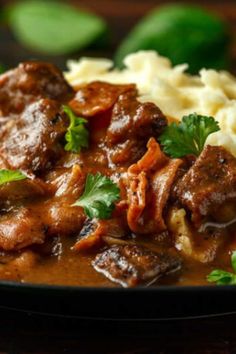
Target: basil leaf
{"x": 54, "y": 27}
{"x": 183, "y": 33}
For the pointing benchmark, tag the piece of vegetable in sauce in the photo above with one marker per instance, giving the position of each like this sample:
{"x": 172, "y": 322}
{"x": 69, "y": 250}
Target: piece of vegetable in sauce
{"x": 222, "y": 277}
{"x": 77, "y": 135}
{"x": 189, "y": 136}
{"x": 11, "y": 176}
{"x": 131, "y": 265}
{"x": 99, "y": 196}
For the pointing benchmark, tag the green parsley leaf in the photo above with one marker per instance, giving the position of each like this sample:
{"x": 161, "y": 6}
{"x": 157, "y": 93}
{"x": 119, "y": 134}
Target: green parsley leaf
{"x": 189, "y": 136}
{"x": 77, "y": 135}
{"x": 54, "y": 27}
{"x": 11, "y": 176}
{"x": 233, "y": 261}
{"x": 99, "y": 196}
{"x": 221, "y": 277}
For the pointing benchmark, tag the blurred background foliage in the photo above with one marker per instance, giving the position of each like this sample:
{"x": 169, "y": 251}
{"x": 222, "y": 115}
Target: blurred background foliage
{"x": 199, "y": 32}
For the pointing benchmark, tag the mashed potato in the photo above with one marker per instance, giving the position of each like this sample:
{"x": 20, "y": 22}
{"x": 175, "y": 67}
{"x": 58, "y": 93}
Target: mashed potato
{"x": 170, "y": 88}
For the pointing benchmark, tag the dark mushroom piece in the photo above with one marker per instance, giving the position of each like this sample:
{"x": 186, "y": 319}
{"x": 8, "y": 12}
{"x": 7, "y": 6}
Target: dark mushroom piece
{"x": 132, "y": 265}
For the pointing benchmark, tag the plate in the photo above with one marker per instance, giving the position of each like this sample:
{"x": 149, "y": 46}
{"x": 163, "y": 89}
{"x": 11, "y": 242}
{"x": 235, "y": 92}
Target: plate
{"x": 119, "y": 304}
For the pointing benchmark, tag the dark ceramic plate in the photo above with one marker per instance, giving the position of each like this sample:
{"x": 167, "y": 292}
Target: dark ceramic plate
{"x": 151, "y": 303}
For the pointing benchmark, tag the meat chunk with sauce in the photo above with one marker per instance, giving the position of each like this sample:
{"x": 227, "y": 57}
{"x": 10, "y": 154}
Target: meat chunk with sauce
{"x": 58, "y": 212}
{"x": 15, "y": 266}
{"x": 98, "y": 97}
{"x": 21, "y": 228}
{"x": 131, "y": 265}
{"x": 132, "y": 124}
{"x": 61, "y": 218}
{"x": 209, "y": 184}
{"x": 32, "y": 142}
{"x": 29, "y": 82}
{"x": 18, "y": 192}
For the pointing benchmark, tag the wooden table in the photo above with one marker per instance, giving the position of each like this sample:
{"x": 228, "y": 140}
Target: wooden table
{"x": 23, "y": 333}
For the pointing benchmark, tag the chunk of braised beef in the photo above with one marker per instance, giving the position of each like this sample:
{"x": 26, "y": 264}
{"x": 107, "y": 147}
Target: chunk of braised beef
{"x": 209, "y": 184}
{"x": 21, "y": 228}
{"x": 29, "y": 82}
{"x": 97, "y": 97}
{"x": 18, "y": 192}
{"x": 17, "y": 265}
{"x": 131, "y": 118}
{"x": 132, "y": 124}
{"x": 131, "y": 265}
{"x": 32, "y": 142}
{"x": 62, "y": 218}
{"x": 58, "y": 212}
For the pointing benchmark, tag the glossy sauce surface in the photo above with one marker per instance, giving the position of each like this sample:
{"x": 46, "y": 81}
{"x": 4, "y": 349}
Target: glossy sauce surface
{"x": 151, "y": 237}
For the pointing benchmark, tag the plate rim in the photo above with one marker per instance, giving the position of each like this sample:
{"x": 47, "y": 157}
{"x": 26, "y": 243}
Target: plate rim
{"x": 9, "y": 284}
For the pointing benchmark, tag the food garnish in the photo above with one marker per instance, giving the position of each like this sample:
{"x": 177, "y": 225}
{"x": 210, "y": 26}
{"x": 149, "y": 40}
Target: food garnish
{"x": 2, "y": 69}
{"x": 165, "y": 28}
{"x": 54, "y": 27}
{"x": 99, "y": 196}
{"x": 189, "y": 136}
{"x": 221, "y": 277}
{"x": 77, "y": 135}
{"x": 11, "y": 176}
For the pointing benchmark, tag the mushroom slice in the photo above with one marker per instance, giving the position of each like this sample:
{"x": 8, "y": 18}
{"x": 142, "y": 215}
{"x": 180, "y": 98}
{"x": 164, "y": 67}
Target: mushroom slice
{"x": 132, "y": 265}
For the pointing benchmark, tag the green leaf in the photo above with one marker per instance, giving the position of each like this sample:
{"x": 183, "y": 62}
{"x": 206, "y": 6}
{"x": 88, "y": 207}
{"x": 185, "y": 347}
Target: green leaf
{"x": 77, "y": 135}
{"x": 11, "y": 176}
{"x": 183, "y": 33}
{"x": 99, "y": 196}
{"x": 221, "y": 277}
{"x": 2, "y": 69}
{"x": 189, "y": 136}
{"x": 54, "y": 27}
{"x": 233, "y": 261}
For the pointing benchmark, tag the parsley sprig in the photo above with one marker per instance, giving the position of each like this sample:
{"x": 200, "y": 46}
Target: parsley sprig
{"x": 77, "y": 135}
{"x": 189, "y": 136}
{"x": 99, "y": 196}
{"x": 7, "y": 176}
{"x": 11, "y": 176}
{"x": 221, "y": 277}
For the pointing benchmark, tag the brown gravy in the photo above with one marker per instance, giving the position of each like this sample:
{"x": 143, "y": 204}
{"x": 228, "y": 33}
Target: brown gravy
{"x": 45, "y": 239}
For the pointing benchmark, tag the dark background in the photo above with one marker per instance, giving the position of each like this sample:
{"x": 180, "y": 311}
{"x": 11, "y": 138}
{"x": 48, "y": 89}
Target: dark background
{"x": 26, "y": 333}
{"x": 121, "y": 15}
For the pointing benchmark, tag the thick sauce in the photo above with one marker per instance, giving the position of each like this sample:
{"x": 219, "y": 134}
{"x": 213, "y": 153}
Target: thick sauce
{"x": 156, "y": 233}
